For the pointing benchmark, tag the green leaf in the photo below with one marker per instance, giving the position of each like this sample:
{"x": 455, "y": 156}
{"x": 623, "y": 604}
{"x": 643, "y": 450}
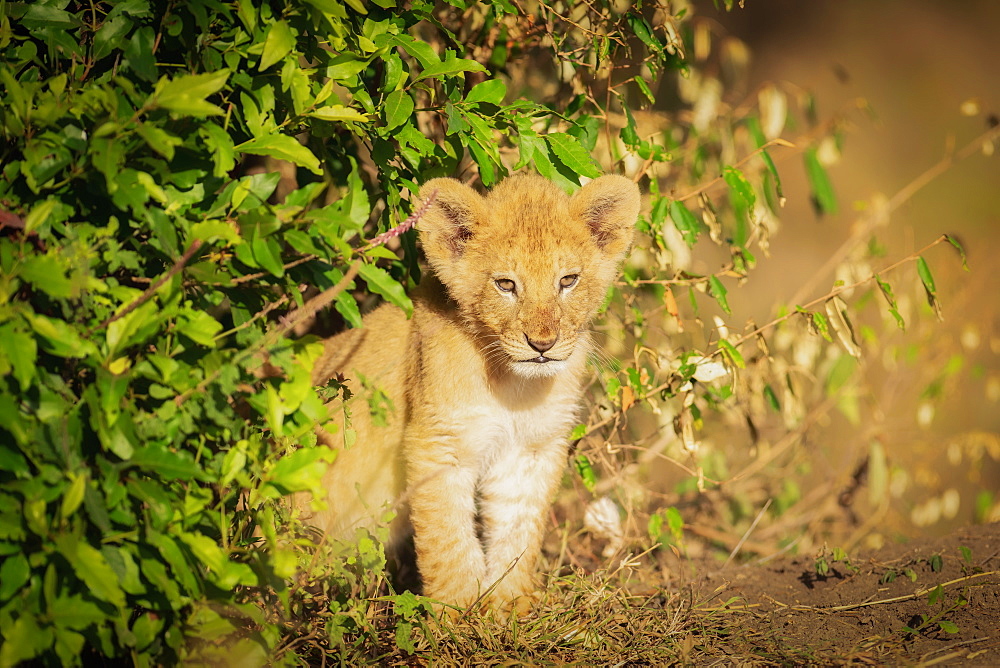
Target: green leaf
{"x": 930, "y": 289}
{"x": 719, "y": 292}
{"x": 742, "y": 197}
{"x": 840, "y": 373}
{"x": 73, "y": 496}
{"x": 419, "y": 49}
{"x": 301, "y": 470}
{"x": 165, "y": 464}
{"x": 948, "y": 627}
{"x": 207, "y": 551}
{"x": 233, "y": 463}
{"x": 45, "y": 16}
{"x": 450, "y": 67}
{"x": 345, "y": 66}
{"x": 20, "y": 350}
{"x": 823, "y": 197}
{"x": 211, "y": 231}
{"x": 348, "y": 307}
{"x": 110, "y": 35}
{"x": 24, "y": 640}
{"x": 14, "y": 573}
{"x": 282, "y": 147}
{"x": 186, "y": 94}
{"x": 961, "y": 251}
{"x": 572, "y": 154}
{"x": 75, "y": 612}
{"x": 926, "y": 278}
{"x": 685, "y": 222}
{"x": 491, "y": 91}
{"x": 819, "y": 324}
{"x": 277, "y": 44}
{"x": 158, "y": 140}
{"x": 267, "y": 253}
{"x": 92, "y": 568}
{"x": 586, "y": 472}
{"x": 640, "y": 82}
{"x": 200, "y": 327}
{"x": 39, "y": 214}
{"x": 398, "y": 109}
{"x": 732, "y": 353}
{"x": 772, "y": 398}
{"x": 886, "y": 291}
{"x": 380, "y": 282}
{"x": 220, "y": 145}
{"x": 140, "y": 55}
{"x": 59, "y": 338}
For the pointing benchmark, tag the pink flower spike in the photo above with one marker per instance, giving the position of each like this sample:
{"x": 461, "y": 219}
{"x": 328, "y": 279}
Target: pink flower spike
{"x": 403, "y": 226}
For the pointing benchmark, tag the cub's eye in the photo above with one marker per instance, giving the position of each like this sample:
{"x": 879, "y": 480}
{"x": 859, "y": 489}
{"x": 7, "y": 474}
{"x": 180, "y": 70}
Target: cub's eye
{"x": 566, "y": 282}
{"x": 505, "y": 285}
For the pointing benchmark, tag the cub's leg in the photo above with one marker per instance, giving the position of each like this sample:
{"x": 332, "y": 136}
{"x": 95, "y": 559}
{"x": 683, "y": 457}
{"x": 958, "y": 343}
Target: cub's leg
{"x": 514, "y": 498}
{"x": 442, "y": 491}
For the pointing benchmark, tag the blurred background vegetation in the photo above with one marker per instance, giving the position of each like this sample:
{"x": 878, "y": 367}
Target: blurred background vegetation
{"x": 909, "y": 445}
{"x": 927, "y": 72}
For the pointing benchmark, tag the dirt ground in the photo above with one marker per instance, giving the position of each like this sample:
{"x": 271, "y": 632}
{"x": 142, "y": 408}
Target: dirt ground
{"x": 927, "y": 602}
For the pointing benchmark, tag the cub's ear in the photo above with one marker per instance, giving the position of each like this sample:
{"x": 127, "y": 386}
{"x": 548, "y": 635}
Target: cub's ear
{"x": 451, "y": 219}
{"x": 609, "y": 205}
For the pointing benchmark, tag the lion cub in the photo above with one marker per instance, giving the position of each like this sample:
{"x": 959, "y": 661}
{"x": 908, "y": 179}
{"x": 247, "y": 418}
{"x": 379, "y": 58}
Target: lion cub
{"x": 482, "y": 382}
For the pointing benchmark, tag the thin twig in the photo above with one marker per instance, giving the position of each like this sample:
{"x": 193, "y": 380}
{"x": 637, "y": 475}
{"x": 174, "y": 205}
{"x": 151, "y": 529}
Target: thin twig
{"x": 882, "y": 601}
{"x": 836, "y": 291}
{"x": 151, "y": 290}
{"x": 778, "y": 141}
{"x": 286, "y": 325}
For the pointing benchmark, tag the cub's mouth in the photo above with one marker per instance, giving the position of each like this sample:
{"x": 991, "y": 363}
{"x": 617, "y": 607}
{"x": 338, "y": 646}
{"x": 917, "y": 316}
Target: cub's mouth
{"x": 541, "y": 359}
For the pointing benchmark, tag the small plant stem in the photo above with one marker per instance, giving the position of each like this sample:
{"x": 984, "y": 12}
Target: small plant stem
{"x": 746, "y": 534}
{"x": 778, "y": 141}
{"x": 869, "y": 222}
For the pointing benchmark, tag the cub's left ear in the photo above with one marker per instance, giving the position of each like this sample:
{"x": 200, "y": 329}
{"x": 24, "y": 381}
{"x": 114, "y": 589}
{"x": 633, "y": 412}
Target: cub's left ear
{"x": 609, "y": 205}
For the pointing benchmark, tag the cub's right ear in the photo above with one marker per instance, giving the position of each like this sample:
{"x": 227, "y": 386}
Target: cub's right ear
{"x": 451, "y": 219}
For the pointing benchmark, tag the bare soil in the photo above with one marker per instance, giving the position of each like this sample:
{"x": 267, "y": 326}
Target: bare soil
{"x": 924, "y": 602}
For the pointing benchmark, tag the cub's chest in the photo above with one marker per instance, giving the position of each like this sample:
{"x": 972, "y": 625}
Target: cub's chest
{"x": 487, "y": 428}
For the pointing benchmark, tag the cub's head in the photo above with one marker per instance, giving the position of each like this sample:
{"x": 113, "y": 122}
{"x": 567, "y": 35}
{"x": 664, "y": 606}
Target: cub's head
{"x": 527, "y": 265}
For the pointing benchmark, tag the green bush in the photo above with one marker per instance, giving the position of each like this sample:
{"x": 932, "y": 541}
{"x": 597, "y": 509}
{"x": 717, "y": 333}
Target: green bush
{"x": 153, "y": 406}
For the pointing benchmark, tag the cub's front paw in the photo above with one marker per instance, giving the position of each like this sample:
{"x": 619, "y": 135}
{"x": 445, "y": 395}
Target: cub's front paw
{"x": 520, "y": 604}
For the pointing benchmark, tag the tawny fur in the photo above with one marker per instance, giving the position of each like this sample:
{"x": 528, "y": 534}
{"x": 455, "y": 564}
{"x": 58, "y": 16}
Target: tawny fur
{"x": 476, "y": 438}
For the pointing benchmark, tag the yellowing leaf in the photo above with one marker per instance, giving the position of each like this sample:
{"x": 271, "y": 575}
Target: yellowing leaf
{"x": 837, "y": 310}
{"x": 338, "y": 112}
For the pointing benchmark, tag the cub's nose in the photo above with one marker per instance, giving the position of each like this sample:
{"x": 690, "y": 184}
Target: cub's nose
{"x": 541, "y": 345}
